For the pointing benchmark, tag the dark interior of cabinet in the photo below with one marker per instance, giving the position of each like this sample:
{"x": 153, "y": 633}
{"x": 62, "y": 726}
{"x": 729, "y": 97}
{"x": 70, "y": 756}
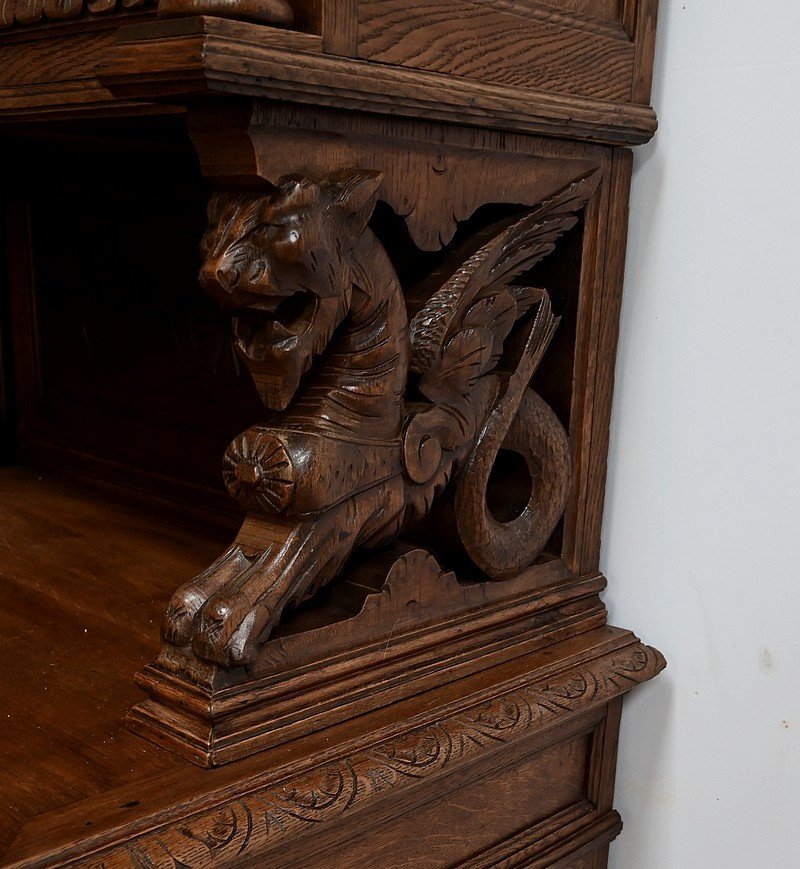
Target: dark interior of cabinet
{"x": 124, "y": 371}
{"x": 308, "y": 15}
{"x": 117, "y": 367}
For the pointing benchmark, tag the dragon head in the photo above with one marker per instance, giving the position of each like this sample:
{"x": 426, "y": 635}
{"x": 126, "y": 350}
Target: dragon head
{"x": 282, "y": 262}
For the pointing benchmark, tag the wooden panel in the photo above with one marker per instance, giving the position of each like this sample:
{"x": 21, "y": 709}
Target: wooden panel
{"x": 63, "y": 615}
{"x": 526, "y": 789}
{"x": 340, "y": 27}
{"x": 611, "y": 10}
{"x": 6, "y": 360}
{"x": 62, "y": 58}
{"x": 308, "y": 15}
{"x": 42, "y": 68}
{"x": 643, "y": 18}
{"x": 606, "y": 303}
{"x": 506, "y": 42}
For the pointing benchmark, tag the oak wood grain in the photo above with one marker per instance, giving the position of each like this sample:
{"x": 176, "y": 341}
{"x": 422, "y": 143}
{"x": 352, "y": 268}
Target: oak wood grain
{"x": 156, "y": 60}
{"x": 70, "y": 627}
{"x": 95, "y": 786}
{"x": 40, "y": 62}
{"x": 643, "y": 20}
{"x": 608, "y": 9}
{"x": 340, "y": 27}
{"x": 607, "y": 306}
{"x": 507, "y": 42}
{"x": 416, "y": 720}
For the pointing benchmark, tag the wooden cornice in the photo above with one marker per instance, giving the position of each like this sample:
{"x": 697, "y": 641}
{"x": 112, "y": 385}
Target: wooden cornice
{"x": 185, "y": 58}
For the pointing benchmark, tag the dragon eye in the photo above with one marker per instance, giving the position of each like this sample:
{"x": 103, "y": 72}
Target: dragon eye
{"x": 288, "y": 244}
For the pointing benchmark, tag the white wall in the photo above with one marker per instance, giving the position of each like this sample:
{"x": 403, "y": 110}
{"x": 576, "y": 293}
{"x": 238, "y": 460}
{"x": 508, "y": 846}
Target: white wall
{"x": 701, "y": 539}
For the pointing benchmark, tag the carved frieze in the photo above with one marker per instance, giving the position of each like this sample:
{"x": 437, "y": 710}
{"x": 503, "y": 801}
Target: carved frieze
{"x": 432, "y": 186}
{"x": 252, "y": 824}
{"x": 25, "y": 12}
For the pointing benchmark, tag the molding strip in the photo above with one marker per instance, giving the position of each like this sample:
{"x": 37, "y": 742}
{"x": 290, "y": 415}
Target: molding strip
{"x": 252, "y": 824}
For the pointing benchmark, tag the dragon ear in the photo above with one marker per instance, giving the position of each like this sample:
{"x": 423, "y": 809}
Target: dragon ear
{"x": 219, "y": 204}
{"x": 356, "y": 192}
{"x": 296, "y": 193}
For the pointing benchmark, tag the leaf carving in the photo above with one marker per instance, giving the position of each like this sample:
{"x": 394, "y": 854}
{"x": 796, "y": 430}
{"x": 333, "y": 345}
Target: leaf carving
{"x": 508, "y": 251}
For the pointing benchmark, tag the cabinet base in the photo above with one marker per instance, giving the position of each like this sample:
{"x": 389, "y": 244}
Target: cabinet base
{"x": 416, "y": 627}
{"x": 513, "y": 766}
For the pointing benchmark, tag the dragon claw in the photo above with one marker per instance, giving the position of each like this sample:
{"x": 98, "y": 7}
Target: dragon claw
{"x": 227, "y": 637}
{"x": 180, "y": 617}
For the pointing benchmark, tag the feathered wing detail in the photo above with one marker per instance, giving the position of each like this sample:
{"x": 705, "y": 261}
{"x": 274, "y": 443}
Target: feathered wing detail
{"x": 459, "y": 333}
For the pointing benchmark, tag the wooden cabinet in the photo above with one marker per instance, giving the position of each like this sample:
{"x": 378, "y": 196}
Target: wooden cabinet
{"x": 355, "y": 472}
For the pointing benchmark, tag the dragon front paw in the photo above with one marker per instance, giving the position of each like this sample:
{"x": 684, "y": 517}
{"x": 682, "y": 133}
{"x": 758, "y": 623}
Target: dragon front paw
{"x": 229, "y": 632}
{"x": 181, "y": 615}
{"x": 227, "y": 613}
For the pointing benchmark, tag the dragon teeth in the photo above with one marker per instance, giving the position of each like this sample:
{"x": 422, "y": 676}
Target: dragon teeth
{"x": 279, "y": 332}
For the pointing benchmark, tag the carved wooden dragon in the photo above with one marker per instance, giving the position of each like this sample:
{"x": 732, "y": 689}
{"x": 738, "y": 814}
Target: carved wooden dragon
{"x": 359, "y": 448}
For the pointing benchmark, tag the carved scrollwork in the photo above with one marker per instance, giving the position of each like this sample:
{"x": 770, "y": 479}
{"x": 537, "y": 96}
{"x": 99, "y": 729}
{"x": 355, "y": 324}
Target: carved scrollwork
{"x": 253, "y": 824}
{"x": 374, "y": 415}
{"x": 26, "y": 12}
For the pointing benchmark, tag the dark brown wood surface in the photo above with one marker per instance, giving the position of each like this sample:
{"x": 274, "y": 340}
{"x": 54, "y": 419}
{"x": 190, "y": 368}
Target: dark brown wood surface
{"x": 464, "y": 170}
{"x": 508, "y": 42}
{"x": 348, "y": 459}
{"x": 194, "y": 56}
{"x": 124, "y": 370}
{"x": 83, "y": 580}
{"x": 92, "y": 402}
{"x": 573, "y": 69}
{"x": 73, "y": 779}
{"x": 375, "y": 153}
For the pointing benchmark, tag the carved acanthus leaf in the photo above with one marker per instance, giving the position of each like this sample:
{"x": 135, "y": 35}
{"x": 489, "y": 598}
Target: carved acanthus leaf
{"x": 474, "y": 298}
{"x": 253, "y": 824}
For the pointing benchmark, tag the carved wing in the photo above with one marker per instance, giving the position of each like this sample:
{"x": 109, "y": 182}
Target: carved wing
{"x": 459, "y": 333}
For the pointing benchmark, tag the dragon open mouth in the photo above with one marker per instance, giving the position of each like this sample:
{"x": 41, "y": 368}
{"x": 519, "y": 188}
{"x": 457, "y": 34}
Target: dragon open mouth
{"x": 275, "y": 321}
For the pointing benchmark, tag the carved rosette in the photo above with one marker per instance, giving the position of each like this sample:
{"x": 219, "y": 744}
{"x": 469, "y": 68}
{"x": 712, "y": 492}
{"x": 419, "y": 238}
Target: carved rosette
{"x": 258, "y": 471}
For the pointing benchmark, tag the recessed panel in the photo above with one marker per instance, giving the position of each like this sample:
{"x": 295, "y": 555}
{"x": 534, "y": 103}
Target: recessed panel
{"x": 507, "y": 43}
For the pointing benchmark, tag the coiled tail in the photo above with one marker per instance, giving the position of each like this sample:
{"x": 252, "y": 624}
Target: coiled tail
{"x": 523, "y": 424}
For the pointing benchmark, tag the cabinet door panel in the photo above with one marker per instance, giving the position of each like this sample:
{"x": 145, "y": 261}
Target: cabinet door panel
{"x": 554, "y": 47}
